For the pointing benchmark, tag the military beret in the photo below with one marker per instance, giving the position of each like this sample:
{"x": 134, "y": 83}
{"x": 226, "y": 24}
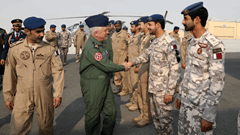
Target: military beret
{"x": 97, "y": 21}
{"x": 81, "y": 26}
{"x": 176, "y": 27}
{"x": 134, "y": 23}
{"x": 34, "y": 23}
{"x": 63, "y": 25}
{"x": 155, "y": 17}
{"x": 16, "y": 21}
{"x": 118, "y": 22}
{"x": 143, "y": 19}
{"x": 111, "y": 22}
{"x": 125, "y": 28}
{"x": 192, "y": 8}
{"x": 53, "y": 26}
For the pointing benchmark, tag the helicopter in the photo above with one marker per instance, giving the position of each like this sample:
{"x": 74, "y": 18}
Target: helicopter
{"x": 73, "y": 28}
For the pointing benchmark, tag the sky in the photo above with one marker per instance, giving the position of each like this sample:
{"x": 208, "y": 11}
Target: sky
{"x": 13, "y": 9}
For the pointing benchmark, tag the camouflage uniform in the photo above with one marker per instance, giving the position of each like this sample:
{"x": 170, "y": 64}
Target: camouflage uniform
{"x": 163, "y": 75}
{"x": 202, "y": 85}
{"x": 64, "y": 41}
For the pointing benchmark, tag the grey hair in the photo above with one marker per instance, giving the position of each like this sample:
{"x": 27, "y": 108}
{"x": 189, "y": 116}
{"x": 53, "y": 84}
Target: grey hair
{"x": 93, "y": 29}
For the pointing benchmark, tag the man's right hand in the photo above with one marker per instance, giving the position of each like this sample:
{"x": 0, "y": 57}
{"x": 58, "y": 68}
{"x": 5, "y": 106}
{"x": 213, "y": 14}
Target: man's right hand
{"x": 126, "y": 66}
{"x": 183, "y": 66}
{"x": 129, "y": 64}
{"x": 136, "y": 70}
{"x": 2, "y": 62}
{"x": 178, "y": 104}
{"x": 10, "y": 105}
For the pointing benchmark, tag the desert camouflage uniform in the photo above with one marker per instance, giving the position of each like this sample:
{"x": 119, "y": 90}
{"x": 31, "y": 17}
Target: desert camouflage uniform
{"x": 164, "y": 72}
{"x": 202, "y": 85}
{"x": 64, "y": 41}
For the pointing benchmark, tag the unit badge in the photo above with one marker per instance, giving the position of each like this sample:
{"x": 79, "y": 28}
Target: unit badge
{"x": 24, "y": 55}
{"x": 98, "y": 56}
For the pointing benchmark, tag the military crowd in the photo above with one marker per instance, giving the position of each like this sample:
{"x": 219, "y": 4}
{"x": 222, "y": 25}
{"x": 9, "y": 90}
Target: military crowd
{"x": 145, "y": 65}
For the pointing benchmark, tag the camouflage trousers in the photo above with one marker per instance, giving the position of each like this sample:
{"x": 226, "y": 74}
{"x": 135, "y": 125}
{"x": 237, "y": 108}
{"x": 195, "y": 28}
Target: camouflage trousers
{"x": 189, "y": 122}
{"x": 161, "y": 115}
{"x": 63, "y": 54}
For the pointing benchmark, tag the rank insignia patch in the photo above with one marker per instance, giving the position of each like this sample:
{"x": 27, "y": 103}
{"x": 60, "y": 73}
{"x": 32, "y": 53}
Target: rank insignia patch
{"x": 98, "y": 56}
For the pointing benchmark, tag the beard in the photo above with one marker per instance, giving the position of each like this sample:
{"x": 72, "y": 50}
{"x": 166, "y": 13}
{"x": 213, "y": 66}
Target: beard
{"x": 37, "y": 40}
{"x": 189, "y": 27}
{"x": 118, "y": 30}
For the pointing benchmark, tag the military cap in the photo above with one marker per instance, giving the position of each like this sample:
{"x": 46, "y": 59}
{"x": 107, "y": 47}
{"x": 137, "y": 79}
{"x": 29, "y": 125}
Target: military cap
{"x": 155, "y": 17}
{"x": 63, "y": 25}
{"x": 143, "y": 19}
{"x": 118, "y": 22}
{"x": 53, "y": 26}
{"x": 125, "y": 28}
{"x": 81, "y": 26}
{"x": 134, "y": 23}
{"x": 16, "y": 21}
{"x": 176, "y": 27}
{"x": 97, "y": 21}
{"x": 34, "y": 23}
{"x": 192, "y": 8}
{"x": 111, "y": 22}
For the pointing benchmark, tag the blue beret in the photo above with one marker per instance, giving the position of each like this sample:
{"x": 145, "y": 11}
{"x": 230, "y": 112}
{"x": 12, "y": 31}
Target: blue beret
{"x": 118, "y": 22}
{"x": 16, "y": 21}
{"x": 134, "y": 23}
{"x": 111, "y": 22}
{"x": 81, "y": 26}
{"x": 155, "y": 17}
{"x": 143, "y": 19}
{"x": 125, "y": 28}
{"x": 176, "y": 27}
{"x": 192, "y": 7}
{"x": 97, "y": 20}
{"x": 63, "y": 25}
{"x": 53, "y": 26}
{"x": 34, "y": 23}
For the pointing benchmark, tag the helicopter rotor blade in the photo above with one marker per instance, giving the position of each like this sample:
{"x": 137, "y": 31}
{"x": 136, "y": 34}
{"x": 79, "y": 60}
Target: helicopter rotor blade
{"x": 123, "y": 16}
{"x": 106, "y": 12}
{"x": 169, "y": 22}
{"x": 165, "y": 14}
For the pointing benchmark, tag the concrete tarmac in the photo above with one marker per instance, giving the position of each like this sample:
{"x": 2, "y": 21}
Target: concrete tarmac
{"x": 69, "y": 117}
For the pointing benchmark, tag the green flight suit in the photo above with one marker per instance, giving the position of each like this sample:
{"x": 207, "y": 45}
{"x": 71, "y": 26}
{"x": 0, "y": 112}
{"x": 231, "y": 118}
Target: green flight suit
{"x": 3, "y": 36}
{"x": 95, "y": 70}
{"x": 108, "y": 45}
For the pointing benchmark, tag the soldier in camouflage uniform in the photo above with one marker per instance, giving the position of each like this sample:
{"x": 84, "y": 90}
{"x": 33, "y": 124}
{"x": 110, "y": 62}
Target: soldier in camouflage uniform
{"x": 203, "y": 82}
{"x": 164, "y": 72}
{"x": 64, "y": 41}
{"x": 175, "y": 34}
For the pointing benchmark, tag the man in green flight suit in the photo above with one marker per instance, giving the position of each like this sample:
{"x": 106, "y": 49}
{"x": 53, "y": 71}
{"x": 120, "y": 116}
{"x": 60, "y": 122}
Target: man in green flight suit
{"x": 3, "y": 36}
{"x": 95, "y": 70}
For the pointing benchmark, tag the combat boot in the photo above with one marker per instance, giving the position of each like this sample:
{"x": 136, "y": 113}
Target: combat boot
{"x": 133, "y": 108}
{"x": 122, "y": 93}
{"x": 139, "y": 118}
{"x": 129, "y": 104}
{"x": 145, "y": 121}
{"x": 118, "y": 89}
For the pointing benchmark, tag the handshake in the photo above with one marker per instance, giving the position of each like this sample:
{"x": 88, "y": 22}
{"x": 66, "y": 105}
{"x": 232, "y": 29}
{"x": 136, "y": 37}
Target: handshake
{"x": 128, "y": 65}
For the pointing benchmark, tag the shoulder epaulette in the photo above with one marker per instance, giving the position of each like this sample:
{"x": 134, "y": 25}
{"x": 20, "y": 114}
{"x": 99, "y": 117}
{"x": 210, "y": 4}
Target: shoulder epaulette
{"x": 95, "y": 45}
{"x": 213, "y": 39}
{"x": 17, "y": 43}
{"x": 169, "y": 38}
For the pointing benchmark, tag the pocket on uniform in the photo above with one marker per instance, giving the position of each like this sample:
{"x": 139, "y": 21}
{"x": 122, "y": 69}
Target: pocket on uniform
{"x": 46, "y": 68}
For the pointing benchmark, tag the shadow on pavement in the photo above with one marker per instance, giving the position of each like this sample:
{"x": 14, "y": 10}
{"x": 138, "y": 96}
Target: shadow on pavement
{"x": 69, "y": 117}
{"x": 5, "y": 120}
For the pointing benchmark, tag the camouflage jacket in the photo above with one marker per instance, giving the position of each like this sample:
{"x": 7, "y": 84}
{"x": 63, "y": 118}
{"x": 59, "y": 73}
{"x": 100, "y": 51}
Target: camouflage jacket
{"x": 203, "y": 80}
{"x": 164, "y": 68}
{"x": 64, "y": 39}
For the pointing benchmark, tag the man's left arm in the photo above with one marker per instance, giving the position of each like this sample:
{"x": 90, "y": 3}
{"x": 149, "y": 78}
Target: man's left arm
{"x": 173, "y": 64}
{"x": 217, "y": 75}
{"x": 58, "y": 75}
{"x": 69, "y": 39}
